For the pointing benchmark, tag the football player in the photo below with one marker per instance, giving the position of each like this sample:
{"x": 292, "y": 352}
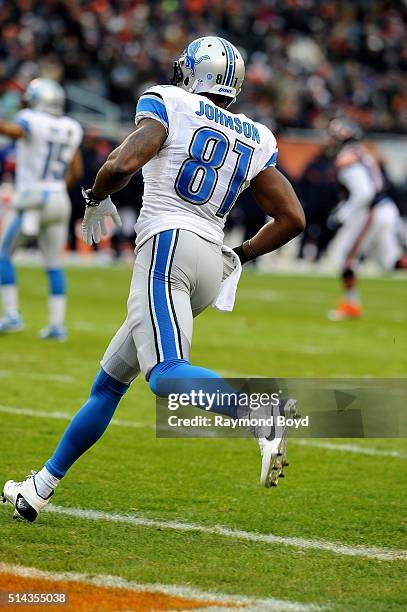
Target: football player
{"x": 196, "y": 158}
{"x": 369, "y": 221}
{"x": 48, "y": 161}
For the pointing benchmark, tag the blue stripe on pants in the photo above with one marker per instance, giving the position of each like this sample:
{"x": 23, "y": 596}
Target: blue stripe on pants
{"x": 7, "y": 272}
{"x": 161, "y": 306}
{"x": 9, "y": 236}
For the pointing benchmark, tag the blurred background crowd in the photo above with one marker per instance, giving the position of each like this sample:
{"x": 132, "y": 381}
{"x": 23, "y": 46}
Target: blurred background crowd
{"x": 307, "y": 61}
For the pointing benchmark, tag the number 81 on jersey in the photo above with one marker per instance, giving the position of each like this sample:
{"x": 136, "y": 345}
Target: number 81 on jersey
{"x": 199, "y": 173}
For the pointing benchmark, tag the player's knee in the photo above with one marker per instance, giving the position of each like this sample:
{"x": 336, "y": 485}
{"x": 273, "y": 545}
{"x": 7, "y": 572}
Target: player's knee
{"x": 57, "y": 283}
{"x": 160, "y": 376}
{"x": 153, "y": 382}
{"x": 106, "y": 385}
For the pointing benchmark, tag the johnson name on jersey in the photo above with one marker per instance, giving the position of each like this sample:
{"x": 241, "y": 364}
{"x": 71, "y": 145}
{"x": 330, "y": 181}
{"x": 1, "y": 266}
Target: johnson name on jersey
{"x": 44, "y": 154}
{"x": 209, "y": 157}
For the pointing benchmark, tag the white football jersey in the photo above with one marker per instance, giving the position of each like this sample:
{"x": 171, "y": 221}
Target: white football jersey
{"x": 44, "y": 154}
{"x": 208, "y": 158}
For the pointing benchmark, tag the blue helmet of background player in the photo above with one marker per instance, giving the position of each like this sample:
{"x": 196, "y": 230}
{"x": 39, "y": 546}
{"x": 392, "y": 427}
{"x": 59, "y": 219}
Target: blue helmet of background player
{"x": 45, "y": 95}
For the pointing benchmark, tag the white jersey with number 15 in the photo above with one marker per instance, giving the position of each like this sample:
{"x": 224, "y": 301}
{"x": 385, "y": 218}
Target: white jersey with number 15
{"x": 44, "y": 153}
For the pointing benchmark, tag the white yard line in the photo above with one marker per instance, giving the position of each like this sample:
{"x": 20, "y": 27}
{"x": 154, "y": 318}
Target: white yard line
{"x": 348, "y": 448}
{"x": 172, "y": 590}
{"x": 351, "y": 448}
{"x": 366, "y": 552}
{"x": 85, "y": 326}
{"x": 63, "y": 416}
{"x": 36, "y": 376}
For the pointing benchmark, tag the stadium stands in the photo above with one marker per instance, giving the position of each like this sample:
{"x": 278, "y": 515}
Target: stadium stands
{"x": 307, "y": 59}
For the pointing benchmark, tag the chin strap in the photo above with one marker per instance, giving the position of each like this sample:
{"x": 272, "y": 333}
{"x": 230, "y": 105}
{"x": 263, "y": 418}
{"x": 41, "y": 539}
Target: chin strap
{"x": 193, "y": 86}
{"x": 232, "y": 101}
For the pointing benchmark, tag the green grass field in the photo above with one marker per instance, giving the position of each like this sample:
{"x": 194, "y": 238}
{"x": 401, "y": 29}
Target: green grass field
{"x": 278, "y": 328}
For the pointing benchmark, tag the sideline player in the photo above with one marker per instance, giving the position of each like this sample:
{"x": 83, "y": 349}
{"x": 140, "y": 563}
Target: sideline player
{"x": 196, "y": 158}
{"x": 47, "y": 162}
{"x": 369, "y": 220}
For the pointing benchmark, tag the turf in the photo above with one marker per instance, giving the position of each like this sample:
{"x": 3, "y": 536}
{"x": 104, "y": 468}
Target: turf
{"x": 277, "y": 329}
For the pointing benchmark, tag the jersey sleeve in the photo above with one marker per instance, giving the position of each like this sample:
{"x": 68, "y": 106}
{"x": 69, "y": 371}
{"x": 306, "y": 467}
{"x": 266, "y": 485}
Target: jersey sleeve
{"x": 152, "y": 105}
{"x": 272, "y": 159}
{"x": 78, "y": 134}
{"x": 268, "y": 150}
{"x": 346, "y": 157}
{"x": 23, "y": 119}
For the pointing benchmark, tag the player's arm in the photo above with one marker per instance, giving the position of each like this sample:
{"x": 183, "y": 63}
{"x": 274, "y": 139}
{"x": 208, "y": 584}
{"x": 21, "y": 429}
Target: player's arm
{"x": 139, "y": 147}
{"x": 276, "y": 197}
{"x": 12, "y": 130}
{"x": 75, "y": 170}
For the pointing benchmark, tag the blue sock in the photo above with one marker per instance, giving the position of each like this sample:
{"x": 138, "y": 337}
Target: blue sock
{"x": 179, "y": 376}
{"x": 57, "y": 282}
{"x": 88, "y": 425}
{"x": 7, "y": 271}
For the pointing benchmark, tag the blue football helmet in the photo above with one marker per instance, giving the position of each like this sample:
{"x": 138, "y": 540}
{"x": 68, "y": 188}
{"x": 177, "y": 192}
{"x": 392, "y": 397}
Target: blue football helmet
{"x": 45, "y": 95}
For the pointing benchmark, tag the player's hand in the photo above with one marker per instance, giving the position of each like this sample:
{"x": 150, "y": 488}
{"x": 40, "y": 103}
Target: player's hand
{"x": 228, "y": 264}
{"x": 335, "y": 218}
{"x": 332, "y": 223}
{"x": 93, "y": 224}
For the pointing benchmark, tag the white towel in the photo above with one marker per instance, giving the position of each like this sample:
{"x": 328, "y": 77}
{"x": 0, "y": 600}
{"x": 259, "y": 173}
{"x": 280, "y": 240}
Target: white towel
{"x": 225, "y": 300}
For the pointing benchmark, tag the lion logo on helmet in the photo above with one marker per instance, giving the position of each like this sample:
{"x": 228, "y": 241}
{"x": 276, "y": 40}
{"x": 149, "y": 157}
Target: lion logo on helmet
{"x": 190, "y": 56}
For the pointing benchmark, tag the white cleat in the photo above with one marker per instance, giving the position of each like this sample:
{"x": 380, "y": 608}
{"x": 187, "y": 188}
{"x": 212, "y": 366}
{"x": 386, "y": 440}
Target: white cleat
{"x": 273, "y": 448}
{"x": 11, "y": 324}
{"x": 54, "y": 332}
{"x": 271, "y": 465}
{"x": 25, "y": 499}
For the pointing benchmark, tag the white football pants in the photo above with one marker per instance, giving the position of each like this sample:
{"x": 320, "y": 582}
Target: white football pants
{"x": 369, "y": 233}
{"x": 49, "y": 223}
{"x": 176, "y": 275}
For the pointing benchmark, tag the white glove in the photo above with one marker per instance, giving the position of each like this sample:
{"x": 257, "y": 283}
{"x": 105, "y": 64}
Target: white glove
{"x": 93, "y": 224}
